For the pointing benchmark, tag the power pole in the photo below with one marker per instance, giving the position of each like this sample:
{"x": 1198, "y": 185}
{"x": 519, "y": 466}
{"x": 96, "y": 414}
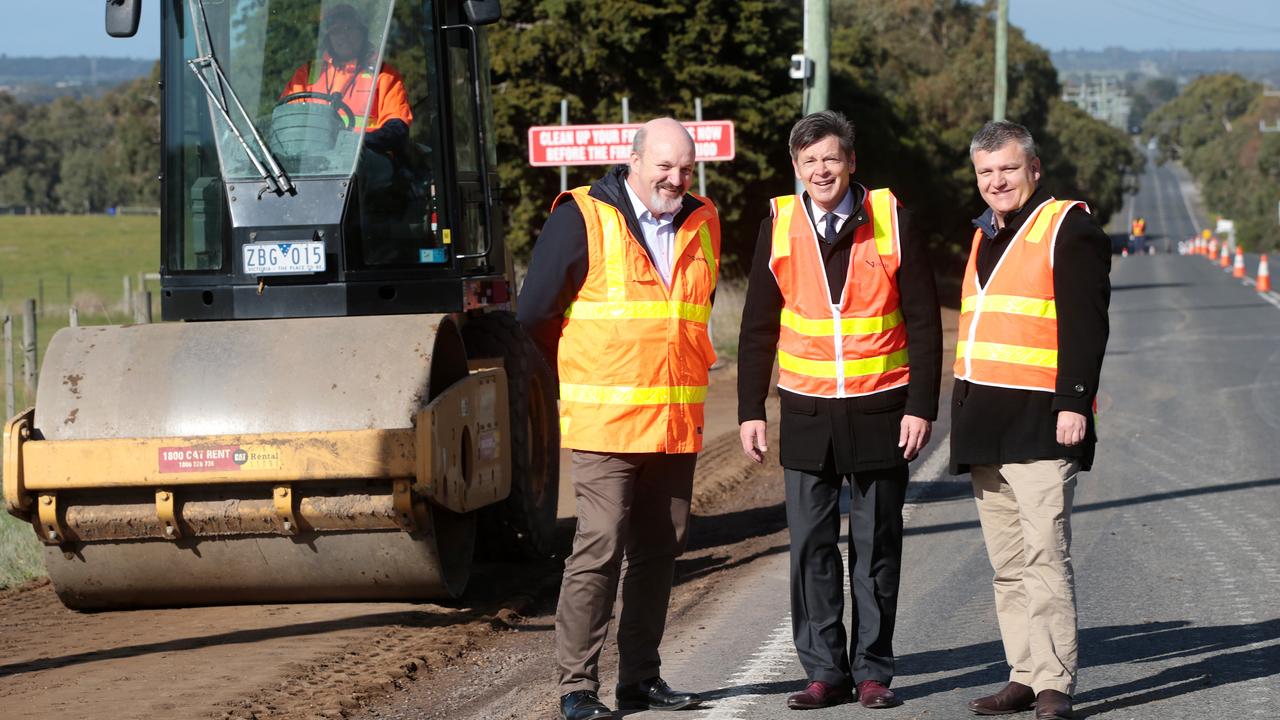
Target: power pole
{"x": 1002, "y": 60}
{"x": 817, "y": 47}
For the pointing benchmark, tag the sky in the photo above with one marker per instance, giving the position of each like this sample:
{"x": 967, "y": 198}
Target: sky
{"x": 75, "y": 27}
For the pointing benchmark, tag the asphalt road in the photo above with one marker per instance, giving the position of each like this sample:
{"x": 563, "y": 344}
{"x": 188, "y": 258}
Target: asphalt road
{"x": 1177, "y": 541}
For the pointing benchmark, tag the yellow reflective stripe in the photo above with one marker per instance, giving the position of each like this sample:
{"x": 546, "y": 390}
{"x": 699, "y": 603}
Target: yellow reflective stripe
{"x": 848, "y": 326}
{"x": 708, "y": 252}
{"x": 615, "y": 269}
{"x": 1046, "y": 215}
{"x": 782, "y": 226}
{"x": 882, "y": 207}
{"x": 852, "y": 368}
{"x": 1014, "y": 354}
{"x": 621, "y": 395}
{"x": 638, "y": 310}
{"x": 1012, "y": 305}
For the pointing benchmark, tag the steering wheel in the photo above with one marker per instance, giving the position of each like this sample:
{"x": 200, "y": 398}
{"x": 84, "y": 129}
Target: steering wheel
{"x": 345, "y": 114}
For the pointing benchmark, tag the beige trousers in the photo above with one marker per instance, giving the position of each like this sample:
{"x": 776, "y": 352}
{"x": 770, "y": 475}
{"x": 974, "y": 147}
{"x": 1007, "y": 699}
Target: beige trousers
{"x": 1025, "y": 510}
{"x": 633, "y": 517}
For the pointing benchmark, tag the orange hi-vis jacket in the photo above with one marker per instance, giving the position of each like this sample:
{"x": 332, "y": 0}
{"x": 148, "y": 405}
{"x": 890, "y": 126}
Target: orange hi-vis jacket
{"x": 1139, "y": 227}
{"x": 856, "y": 347}
{"x": 374, "y": 102}
{"x": 1009, "y": 327}
{"x": 634, "y": 354}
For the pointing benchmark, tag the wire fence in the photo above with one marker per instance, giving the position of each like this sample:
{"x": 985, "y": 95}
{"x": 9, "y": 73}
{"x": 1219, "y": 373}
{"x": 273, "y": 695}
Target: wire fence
{"x": 112, "y": 296}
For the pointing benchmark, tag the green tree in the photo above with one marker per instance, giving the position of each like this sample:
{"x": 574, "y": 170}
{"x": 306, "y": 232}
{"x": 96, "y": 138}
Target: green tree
{"x": 661, "y": 54}
{"x": 1212, "y": 127}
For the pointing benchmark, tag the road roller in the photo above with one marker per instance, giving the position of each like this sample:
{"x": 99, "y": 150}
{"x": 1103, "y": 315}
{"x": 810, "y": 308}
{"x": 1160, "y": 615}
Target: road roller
{"x": 339, "y": 404}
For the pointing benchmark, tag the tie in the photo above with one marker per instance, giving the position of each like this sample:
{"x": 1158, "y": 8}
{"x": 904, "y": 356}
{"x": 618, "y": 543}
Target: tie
{"x": 829, "y": 236}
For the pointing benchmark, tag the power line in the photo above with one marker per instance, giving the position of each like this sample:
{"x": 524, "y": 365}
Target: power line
{"x": 1149, "y": 15}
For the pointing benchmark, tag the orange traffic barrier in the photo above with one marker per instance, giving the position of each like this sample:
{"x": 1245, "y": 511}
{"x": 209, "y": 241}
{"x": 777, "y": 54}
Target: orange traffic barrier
{"x": 1224, "y": 260}
{"x": 1237, "y": 270}
{"x": 1264, "y": 275}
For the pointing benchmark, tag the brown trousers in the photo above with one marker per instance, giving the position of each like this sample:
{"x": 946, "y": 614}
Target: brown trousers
{"x": 1025, "y": 510}
{"x": 633, "y": 517}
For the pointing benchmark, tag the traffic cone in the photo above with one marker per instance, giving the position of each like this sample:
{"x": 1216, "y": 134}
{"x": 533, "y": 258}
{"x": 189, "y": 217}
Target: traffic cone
{"x": 1124, "y": 252}
{"x": 1225, "y": 260}
{"x": 1264, "y": 275}
{"x": 1213, "y": 249}
{"x": 1237, "y": 270}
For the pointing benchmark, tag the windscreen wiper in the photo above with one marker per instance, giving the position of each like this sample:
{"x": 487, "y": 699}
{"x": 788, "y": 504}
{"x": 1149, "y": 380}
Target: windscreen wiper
{"x": 206, "y": 61}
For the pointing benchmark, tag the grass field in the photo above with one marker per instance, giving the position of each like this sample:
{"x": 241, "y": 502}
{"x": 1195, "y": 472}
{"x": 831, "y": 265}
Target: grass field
{"x": 89, "y": 255}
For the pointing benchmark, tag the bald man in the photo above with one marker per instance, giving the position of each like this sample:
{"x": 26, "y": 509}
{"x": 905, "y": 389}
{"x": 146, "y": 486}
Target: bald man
{"x": 617, "y": 297}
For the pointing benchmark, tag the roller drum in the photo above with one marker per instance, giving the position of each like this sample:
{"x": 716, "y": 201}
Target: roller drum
{"x": 250, "y": 377}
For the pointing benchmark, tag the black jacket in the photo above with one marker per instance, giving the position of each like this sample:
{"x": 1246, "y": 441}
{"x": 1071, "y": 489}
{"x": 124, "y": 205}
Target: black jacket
{"x": 991, "y": 425}
{"x": 847, "y": 434}
{"x": 558, "y": 267}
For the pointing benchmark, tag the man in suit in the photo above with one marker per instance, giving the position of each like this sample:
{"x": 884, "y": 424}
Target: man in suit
{"x": 842, "y": 292}
{"x": 618, "y": 296}
{"x": 1033, "y": 331}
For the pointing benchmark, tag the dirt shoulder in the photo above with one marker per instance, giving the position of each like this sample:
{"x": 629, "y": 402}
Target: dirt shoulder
{"x": 289, "y": 661}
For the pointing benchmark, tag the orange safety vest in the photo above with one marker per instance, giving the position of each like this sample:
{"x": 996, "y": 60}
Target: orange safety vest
{"x": 385, "y": 98}
{"x": 1009, "y": 327}
{"x": 1139, "y": 227}
{"x": 634, "y": 354}
{"x": 856, "y": 347}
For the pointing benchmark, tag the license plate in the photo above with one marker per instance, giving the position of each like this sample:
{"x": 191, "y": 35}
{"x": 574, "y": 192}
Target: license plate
{"x": 283, "y": 258}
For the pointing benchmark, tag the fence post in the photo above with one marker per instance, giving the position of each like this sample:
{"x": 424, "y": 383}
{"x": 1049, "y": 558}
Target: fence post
{"x": 142, "y": 307}
{"x": 8, "y": 367}
{"x": 29, "y": 372}
{"x": 74, "y": 317}
{"x": 126, "y": 306}
{"x": 40, "y": 295}
{"x": 68, "y": 289}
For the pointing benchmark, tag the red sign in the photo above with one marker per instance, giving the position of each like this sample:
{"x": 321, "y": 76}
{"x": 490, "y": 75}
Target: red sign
{"x": 198, "y": 459}
{"x": 555, "y": 145}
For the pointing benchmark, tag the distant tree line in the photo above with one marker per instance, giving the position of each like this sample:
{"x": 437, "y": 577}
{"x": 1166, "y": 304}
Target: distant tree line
{"x": 1213, "y": 128}
{"x": 915, "y": 76}
{"x": 82, "y": 154}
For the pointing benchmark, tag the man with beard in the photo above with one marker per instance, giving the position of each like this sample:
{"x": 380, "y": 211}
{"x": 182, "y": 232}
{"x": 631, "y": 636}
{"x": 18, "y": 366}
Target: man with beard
{"x": 617, "y": 297}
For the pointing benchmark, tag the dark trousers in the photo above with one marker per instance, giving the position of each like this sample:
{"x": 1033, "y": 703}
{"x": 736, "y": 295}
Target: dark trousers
{"x": 817, "y": 572}
{"x": 633, "y": 519}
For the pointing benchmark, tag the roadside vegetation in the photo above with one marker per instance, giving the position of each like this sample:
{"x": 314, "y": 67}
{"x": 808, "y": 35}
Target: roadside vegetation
{"x": 1214, "y": 128}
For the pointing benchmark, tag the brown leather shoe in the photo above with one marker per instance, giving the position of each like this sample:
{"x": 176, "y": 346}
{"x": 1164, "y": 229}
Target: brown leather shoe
{"x": 1053, "y": 705}
{"x": 819, "y": 695}
{"x": 1012, "y": 698}
{"x": 873, "y": 694}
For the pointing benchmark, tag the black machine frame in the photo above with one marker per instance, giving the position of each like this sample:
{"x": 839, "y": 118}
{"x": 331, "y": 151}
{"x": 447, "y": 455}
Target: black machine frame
{"x": 325, "y": 209}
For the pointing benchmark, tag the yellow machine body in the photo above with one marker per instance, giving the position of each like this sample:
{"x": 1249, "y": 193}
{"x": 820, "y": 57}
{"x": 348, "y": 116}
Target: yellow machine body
{"x": 375, "y": 499}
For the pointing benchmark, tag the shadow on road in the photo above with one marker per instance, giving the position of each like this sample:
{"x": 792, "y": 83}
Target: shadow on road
{"x": 982, "y": 663}
{"x": 1120, "y": 502}
{"x": 1147, "y": 286}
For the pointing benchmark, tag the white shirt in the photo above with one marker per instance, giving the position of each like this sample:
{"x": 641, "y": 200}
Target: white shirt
{"x": 659, "y": 234}
{"x": 842, "y": 211}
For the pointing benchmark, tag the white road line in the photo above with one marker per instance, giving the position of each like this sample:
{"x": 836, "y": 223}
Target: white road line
{"x": 773, "y": 658}
{"x": 777, "y": 655}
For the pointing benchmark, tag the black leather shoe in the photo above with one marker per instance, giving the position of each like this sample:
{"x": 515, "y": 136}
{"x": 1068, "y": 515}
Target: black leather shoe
{"x": 583, "y": 705}
{"x": 653, "y": 694}
{"x": 1012, "y": 698}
